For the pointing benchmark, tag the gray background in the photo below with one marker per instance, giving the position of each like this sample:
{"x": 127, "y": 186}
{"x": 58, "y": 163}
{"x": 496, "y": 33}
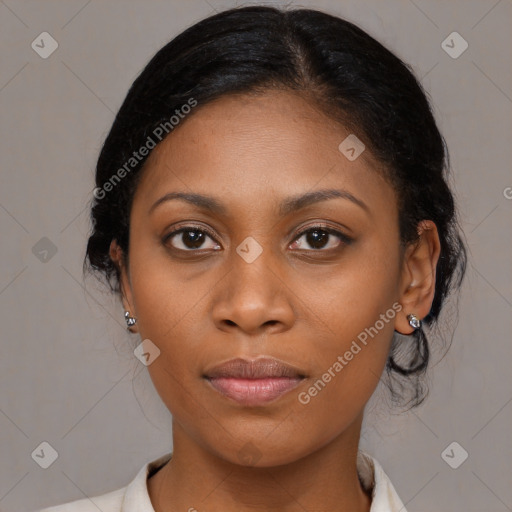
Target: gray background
{"x": 67, "y": 372}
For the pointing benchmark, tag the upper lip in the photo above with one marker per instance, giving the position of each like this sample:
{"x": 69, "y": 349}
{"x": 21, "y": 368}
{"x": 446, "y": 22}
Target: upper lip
{"x": 261, "y": 368}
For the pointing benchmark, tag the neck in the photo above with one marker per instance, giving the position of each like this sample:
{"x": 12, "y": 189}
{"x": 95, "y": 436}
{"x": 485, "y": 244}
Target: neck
{"x": 197, "y": 479}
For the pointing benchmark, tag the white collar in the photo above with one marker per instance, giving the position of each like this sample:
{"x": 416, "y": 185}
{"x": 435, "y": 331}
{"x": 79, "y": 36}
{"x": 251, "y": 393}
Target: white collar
{"x": 372, "y": 476}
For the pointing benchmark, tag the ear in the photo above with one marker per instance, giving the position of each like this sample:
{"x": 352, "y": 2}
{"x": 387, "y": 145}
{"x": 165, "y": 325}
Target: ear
{"x": 117, "y": 256}
{"x": 418, "y": 278}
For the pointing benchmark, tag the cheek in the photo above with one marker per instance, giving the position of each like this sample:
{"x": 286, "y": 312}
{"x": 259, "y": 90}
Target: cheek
{"x": 164, "y": 300}
{"x": 172, "y": 379}
{"x": 350, "y": 297}
{"x": 355, "y": 313}
{"x": 347, "y": 372}
{"x": 348, "y": 366}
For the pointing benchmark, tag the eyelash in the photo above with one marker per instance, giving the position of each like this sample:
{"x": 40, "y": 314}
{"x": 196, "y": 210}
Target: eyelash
{"x": 344, "y": 239}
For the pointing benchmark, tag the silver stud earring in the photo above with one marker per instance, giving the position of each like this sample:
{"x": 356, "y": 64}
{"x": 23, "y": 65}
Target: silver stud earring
{"x": 130, "y": 320}
{"x": 414, "y": 321}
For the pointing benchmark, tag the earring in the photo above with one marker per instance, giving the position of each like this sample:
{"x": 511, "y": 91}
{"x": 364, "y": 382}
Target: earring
{"x": 418, "y": 352}
{"x": 130, "y": 320}
{"x": 414, "y": 321}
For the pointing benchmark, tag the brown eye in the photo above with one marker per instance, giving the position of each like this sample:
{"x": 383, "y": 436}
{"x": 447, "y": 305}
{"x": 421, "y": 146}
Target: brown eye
{"x": 318, "y": 237}
{"x": 191, "y": 238}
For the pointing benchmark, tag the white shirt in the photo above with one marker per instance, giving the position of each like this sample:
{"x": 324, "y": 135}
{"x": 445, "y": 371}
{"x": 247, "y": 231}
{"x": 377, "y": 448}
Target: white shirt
{"x": 135, "y": 497}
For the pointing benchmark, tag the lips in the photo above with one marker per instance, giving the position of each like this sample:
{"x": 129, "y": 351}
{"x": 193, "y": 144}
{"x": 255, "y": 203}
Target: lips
{"x": 254, "y": 382}
{"x": 262, "y": 368}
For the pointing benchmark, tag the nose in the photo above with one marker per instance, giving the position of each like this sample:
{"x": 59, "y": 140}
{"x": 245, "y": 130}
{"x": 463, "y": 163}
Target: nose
{"x": 254, "y": 298}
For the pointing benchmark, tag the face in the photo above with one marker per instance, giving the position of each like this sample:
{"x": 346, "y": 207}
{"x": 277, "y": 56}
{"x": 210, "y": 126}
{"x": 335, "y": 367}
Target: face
{"x": 319, "y": 284}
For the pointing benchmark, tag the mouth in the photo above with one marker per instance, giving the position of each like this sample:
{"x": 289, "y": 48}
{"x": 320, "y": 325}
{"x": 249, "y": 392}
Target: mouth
{"x": 254, "y": 382}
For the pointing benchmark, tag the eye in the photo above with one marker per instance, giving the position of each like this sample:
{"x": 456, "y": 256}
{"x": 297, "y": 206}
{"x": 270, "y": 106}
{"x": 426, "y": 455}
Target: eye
{"x": 191, "y": 238}
{"x": 320, "y": 237}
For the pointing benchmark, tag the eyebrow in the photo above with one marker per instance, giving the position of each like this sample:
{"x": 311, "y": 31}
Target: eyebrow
{"x": 288, "y": 206}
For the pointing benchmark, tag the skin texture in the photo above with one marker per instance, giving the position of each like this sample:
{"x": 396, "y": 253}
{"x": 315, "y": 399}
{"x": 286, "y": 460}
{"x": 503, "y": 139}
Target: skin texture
{"x": 304, "y": 307}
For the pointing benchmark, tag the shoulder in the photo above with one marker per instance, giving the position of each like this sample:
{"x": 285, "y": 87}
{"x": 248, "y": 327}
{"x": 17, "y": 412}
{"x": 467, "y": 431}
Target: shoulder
{"x": 109, "y": 502}
{"x": 134, "y": 497}
{"x": 376, "y": 481}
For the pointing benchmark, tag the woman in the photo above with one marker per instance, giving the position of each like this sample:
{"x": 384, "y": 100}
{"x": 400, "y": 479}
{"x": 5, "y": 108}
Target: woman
{"x": 271, "y": 205}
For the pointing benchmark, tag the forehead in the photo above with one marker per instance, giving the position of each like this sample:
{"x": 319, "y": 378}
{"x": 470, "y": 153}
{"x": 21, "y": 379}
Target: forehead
{"x": 267, "y": 145}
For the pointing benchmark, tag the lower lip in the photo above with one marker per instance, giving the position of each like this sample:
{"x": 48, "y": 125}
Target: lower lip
{"x": 254, "y": 391}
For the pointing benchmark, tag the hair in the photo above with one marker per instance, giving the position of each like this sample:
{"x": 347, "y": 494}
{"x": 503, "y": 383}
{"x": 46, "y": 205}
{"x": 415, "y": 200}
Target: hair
{"x": 340, "y": 69}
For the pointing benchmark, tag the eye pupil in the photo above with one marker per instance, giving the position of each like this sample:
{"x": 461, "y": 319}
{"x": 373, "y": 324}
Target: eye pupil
{"x": 317, "y": 236}
{"x": 196, "y": 240}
